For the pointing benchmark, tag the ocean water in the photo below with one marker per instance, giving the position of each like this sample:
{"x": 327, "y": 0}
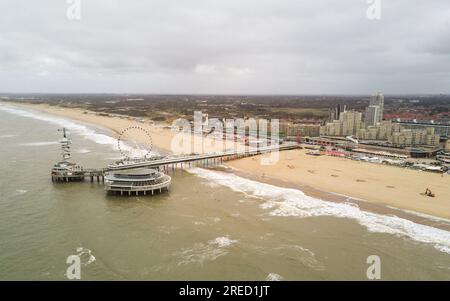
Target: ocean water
{"x": 210, "y": 226}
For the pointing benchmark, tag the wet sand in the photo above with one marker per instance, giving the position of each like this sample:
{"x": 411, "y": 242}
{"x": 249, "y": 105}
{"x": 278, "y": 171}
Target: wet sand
{"x": 380, "y": 184}
{"x": 332, "y": 197}
{"x": 374, "y": 183}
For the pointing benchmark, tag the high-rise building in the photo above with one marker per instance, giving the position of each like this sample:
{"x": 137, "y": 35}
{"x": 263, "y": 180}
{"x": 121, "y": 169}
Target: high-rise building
{"x": 372, "y": 115}
{"x": 304, "y": 130}
{"x": 395, "y": 134}
{"x": 351, "y": 122}
{"x": 447, "y": 146}
{"x": 335, "y": 112}
{"x": 384, "y": 131}
{"x": 377, "y": 99}
{"x": 414, "y": 137}
{"x": 348, "y": 124}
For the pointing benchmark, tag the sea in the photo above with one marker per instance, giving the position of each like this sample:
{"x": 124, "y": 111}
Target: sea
{"x": 211, "y": 225}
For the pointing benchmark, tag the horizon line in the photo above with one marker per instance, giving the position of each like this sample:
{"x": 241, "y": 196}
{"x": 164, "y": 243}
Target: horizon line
{"x": 225, "y": 94}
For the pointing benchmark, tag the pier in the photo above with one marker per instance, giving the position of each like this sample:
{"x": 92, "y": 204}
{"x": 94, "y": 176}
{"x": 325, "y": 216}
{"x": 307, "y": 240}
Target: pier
{"x": 184, "y": 162}
{"x": 137, "y": 182}
{"x": 120, "y": 177}
{"x": 204, "y": 160}
{"x": 93, "y": 174}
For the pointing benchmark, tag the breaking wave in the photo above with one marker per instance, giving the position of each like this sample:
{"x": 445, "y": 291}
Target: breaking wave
{"x": 292, "y": 202}
{"x": 273, "y": 277}
{"x": 83, "y": 151}
{"x": 222, "y": 241}
{"x": 80, "y": 129}
{"x": 204, "y": 252}
{"x": 44, "y": 143}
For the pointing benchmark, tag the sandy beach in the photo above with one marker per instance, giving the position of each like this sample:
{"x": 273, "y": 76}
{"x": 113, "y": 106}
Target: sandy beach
{"x": 393, "y": 186}
{"x": 162, "y": 137}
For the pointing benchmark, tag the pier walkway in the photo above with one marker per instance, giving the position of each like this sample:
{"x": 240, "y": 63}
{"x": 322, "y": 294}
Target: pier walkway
{"x": 204, "y": 159}
{"x": 177, "y": 162}
{"x": 66, "y": 170}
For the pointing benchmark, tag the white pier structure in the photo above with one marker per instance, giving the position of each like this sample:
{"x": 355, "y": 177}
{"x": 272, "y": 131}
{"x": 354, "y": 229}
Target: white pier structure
{"x": 204, "y": 160}
{"x": 149, "y": 175}
{"x": 137, "y": 181}
{"x": 66, "y": 170}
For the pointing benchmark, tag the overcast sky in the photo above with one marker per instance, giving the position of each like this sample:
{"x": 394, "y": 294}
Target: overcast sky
{"x": 225, "y": 47}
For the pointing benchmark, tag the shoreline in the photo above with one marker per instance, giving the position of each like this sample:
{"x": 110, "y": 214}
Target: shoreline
{"x": 400, "y": 188}
{"x": 373, "y": 187}
{"x": 416, "y": 217}
{"x": 161, "y": 134}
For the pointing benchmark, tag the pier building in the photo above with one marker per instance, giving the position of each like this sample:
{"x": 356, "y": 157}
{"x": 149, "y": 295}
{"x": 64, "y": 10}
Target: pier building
{"x": 137, "y": 181}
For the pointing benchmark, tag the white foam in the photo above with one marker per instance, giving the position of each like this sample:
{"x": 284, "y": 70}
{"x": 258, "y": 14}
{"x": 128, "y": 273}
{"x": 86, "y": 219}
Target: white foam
{"x": 201, "y": 252}
{"x": 83, "y": 151}
{"x": 304, "y": 255}
{"x": 427, "y": 216}
{"x": 273, "y": 277}
{"x": 43, "y": 143}
{"x": 7, "y": 136}
{"x": 82, "y": 130}
{"x": 293, "y": 202}
{"x": 21, "y": 191}
{"x": 84, "y": 254}
{"x": 223, "y": 241}
{"x": 419, "y": 214}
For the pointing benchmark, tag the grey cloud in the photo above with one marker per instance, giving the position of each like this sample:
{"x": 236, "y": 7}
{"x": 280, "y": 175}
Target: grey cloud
{"x": 225, "y": 46}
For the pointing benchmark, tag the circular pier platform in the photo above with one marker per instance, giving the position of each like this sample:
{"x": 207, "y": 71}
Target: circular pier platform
{"x": 137, "y": 182}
